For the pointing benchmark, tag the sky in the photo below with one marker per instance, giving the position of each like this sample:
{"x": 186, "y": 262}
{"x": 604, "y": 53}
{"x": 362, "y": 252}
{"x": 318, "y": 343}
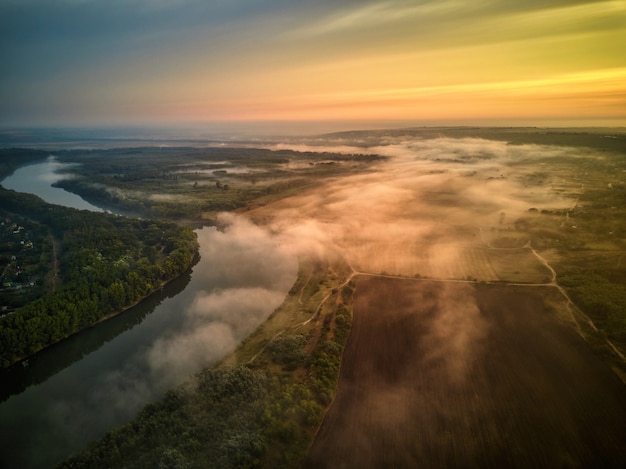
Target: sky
{"x": 122, "y": 62}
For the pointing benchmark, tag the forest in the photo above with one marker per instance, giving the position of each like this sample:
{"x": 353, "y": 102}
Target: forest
{"x": 106, "y": 264}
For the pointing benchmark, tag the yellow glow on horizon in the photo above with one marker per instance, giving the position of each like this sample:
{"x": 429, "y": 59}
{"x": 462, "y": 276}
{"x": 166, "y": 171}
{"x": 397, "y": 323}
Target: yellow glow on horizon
{"x": 554, "y": 62}
{"x": 613, "y": 76}
{"x": 594, "y": 93}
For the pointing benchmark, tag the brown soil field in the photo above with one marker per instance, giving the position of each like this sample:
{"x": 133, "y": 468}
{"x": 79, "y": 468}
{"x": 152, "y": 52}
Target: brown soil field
{"x": 443, "y": 374}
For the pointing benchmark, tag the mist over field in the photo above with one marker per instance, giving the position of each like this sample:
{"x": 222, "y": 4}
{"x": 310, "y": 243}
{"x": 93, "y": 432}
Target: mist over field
{"x": 449, "y": 370}
{"x": 432, "y": 210}
{"x": 423, "y": 210}
{"x": 429, "y": 210}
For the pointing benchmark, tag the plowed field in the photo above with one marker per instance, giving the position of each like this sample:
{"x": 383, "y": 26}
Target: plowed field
{"x": 448, "y": 261}
{"x": 441, "y": 374}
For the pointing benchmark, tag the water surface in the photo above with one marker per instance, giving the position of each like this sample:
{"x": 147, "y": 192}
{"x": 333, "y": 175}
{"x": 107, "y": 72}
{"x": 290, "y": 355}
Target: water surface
{"x": 77, "y": 390}
{"x": 38, "y": 179}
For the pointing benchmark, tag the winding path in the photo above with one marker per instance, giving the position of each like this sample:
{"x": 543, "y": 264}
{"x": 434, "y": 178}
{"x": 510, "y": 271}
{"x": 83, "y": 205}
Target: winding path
{"x": 572, "y": 306}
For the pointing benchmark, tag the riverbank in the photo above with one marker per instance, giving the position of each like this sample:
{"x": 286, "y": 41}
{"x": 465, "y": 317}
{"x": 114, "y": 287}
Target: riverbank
{"x": 131, "y": 360}
{"x": 276, "y": 386}
{"x": 108, "y": 264}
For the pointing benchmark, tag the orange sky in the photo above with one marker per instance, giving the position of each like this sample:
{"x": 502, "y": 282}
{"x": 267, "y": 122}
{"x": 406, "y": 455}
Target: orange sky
{"x": 188, "y": 61}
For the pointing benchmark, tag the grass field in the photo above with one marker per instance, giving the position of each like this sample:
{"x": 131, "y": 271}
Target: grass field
{"x": 516, "y": 265}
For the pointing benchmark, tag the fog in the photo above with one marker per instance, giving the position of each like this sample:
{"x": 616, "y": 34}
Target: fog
{"x": 243, "y": 275}
{"x": 447, "y": 372}
{"x": 431, "y": 210}
{"x": 247, "y": 277}
{"x": 457, "y": 331}
{"x": 420, "y": 211}
{"x": 425, "y": 211}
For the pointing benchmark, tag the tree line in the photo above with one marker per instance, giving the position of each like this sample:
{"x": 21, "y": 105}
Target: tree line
{"x": 245, "y": 416}
{"x": 107, "y": 263}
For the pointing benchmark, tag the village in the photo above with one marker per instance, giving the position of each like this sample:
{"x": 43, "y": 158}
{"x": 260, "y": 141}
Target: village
{"x": 23, "y": 262}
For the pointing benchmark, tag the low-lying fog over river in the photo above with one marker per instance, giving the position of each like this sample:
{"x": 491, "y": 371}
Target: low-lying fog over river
{"x": 242, "y": 276}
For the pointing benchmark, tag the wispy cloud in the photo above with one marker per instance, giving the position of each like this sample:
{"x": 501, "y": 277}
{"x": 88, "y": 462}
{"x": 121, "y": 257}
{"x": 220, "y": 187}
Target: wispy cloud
{"x": 376, "y": 14}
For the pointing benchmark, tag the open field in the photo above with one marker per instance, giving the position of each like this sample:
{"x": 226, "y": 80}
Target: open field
{"x": 413, "y": 259}
{"x": 440, "y": 374}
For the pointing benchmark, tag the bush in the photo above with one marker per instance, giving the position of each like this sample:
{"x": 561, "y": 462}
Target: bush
{"x": 288, "y": 351}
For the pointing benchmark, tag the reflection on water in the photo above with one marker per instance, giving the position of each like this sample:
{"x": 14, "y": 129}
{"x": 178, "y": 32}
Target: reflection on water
{"x": 54, "y": 359}
{"x": 77, "y": 390}
{"x": 37, "y": 179}
{"x": 242, "y": 276}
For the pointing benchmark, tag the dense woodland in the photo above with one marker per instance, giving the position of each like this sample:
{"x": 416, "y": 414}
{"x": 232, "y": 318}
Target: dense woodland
{"x": 25, "y": 259}
{"x": 231, "y": 417}
{"x": 12, "y": 158}
{"x": 106, "y": 263}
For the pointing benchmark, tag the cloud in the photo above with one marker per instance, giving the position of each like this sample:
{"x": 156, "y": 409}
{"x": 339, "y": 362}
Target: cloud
{"x": 91, "y": 61}
{"x": 366, "y": 16}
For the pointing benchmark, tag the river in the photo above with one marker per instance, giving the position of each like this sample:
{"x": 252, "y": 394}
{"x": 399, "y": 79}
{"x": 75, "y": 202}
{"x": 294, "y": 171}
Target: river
{"x": 38, "y": 179}
{"x": 75, "y": 391}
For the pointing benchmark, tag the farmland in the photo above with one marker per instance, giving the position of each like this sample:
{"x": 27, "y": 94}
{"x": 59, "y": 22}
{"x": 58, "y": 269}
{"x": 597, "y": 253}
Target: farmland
{"x": 466, "y": 349}
{"x": 462, "y": 263}
{"x": 439, "y": 374}
{"x": 517, "y": 206}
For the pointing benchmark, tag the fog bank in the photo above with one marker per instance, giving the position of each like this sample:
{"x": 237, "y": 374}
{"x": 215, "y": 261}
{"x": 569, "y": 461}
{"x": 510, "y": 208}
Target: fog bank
{"x": 428, "y": 210}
